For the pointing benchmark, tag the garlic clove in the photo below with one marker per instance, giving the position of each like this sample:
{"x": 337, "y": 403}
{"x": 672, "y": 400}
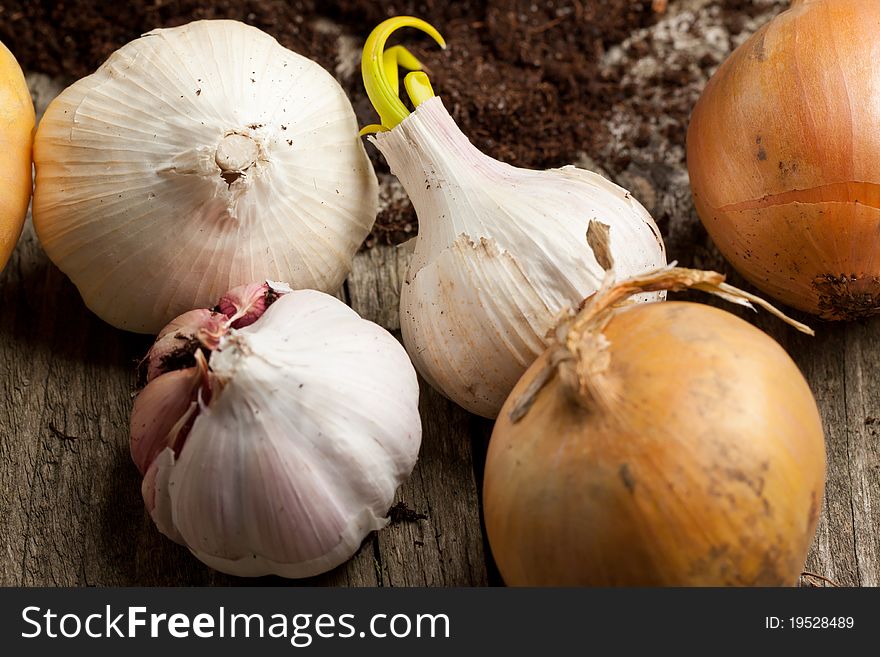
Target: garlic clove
{"x": 177, "y": 343}
{"x": 195, "y": 159}
{"x": 156, "y": 494}
{"x": 160, "y": 412}
{"x": 245, "y": 304}
{"x": 475, "y": 368}
{"x": 277, "y": 494}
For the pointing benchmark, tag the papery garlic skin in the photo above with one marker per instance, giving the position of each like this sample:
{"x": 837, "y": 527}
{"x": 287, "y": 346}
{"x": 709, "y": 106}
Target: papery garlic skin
{"x": 195, "y": 159}
{"x": 500, "y": 253}
{"x": 311, "y": 426}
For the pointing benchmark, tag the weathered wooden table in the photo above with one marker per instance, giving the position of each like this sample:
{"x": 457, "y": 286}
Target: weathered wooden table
{"x": 70, "y": 505}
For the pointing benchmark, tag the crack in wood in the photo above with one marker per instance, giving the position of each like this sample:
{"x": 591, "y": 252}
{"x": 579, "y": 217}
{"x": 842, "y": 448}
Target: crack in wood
{"x": 61, "y": 435}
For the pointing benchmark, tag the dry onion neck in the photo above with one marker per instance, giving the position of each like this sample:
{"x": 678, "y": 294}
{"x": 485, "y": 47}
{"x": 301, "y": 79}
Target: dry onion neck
{"x": 579, "y": 354}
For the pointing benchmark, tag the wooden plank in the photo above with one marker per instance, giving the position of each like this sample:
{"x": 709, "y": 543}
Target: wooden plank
{"x": 862, "y": 404}
{"x": 445, "y": 546}
{"x": 820, "y": 359}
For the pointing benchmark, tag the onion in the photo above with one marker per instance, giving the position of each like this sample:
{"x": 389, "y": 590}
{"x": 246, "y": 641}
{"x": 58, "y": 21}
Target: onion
{"x": 16, "y": 136}
{"x": 656, "y": 444}
{"x": 782, "y": 152}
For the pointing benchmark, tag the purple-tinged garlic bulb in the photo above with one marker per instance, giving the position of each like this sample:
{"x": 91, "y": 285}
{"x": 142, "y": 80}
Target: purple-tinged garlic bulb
{"x": 274, "y": 431}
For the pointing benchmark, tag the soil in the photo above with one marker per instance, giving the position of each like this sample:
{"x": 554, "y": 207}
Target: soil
{"x": 400, "y": 512}
{"x": 605, "y": 84}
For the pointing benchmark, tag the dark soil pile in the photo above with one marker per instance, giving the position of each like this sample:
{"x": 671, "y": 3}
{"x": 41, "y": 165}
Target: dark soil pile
{"x": 521, "y": 77}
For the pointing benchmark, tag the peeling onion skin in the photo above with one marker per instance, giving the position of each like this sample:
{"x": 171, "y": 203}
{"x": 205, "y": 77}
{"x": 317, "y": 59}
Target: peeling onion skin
{"x": 705, "y": 468}
{"x": 195, "y": 159}
{"x": 783, "y": 153}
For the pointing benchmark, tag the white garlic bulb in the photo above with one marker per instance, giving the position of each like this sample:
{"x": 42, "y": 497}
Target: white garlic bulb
{"x": 501, "y": 251}
{"x": 195, "y": 159}
{"x": 277, "y": 446}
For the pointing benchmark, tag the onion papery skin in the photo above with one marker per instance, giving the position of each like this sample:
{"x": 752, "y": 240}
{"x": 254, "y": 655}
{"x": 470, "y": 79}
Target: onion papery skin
{"x": 196, "y": 159}
{"x": 16, "y": 138}
{"x": 783, "y": 153}
{"x": 702, "y": 465}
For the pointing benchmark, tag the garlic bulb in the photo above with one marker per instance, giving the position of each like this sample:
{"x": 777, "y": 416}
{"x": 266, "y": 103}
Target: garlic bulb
{"x": 195, "y": 159}
{"x": 275, "y": 447}
{"x": 501, "y": 251}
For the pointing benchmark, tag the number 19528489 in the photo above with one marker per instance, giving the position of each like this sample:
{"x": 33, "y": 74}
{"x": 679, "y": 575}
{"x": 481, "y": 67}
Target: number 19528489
{"x": 810, "y": 623}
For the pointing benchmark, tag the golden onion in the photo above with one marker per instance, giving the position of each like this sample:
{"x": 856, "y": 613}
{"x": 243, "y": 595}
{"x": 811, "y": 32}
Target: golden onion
{"x": 783, "y": 153}
{"x": 16, "y": 137}
{"x": 663, "y": 444}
